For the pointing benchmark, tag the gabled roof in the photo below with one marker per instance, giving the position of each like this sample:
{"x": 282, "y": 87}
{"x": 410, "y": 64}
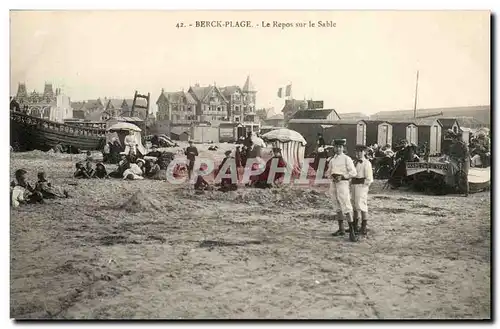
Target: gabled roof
{"x": 201, "y": 93}
{"x": 312, "y": 114}
{"x": 229, "y": 90}
{"x": 139, "y": 101}
{"x": 115, "y": 103}
{"x": 427, "y": 122}
{"x": 176, "y": 97}
{"x": 248, "y": 86}
{"x": 447, "y": 123}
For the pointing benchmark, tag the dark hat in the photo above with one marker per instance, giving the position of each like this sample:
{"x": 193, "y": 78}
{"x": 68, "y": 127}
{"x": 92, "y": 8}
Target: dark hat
{"x": 20, "y": 172}
{"x": 360, "y": 147}
{"x": 41, "y": 173}
{"x": 227, "y": 152}
{"x": 276, "y": 149}
{"x": 99, "y": 164}
{"x": 339, "y": 142}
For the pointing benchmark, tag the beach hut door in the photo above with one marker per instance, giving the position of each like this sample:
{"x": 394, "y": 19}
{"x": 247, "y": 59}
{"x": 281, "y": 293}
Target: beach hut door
{"x": 433, "y": 148}
{"x": 361, "y": 135}
{"x": 411, "y": 134}
{"x": 383, "y": 135}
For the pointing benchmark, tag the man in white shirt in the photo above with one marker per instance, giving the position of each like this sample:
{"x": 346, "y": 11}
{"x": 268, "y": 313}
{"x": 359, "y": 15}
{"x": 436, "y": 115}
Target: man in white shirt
{"x": 341, "y": 169}
{"x": 360, "y": 186}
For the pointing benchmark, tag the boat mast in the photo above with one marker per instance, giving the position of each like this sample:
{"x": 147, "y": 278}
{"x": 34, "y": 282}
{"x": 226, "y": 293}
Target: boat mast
{"x": 416, "y": 98}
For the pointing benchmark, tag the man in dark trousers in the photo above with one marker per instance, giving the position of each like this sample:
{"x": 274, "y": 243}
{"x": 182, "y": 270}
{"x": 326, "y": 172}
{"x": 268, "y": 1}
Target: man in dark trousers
{"x": 460, "y": 158}
{"x": 227, "y": 184}
{"x": 191, "y": 153}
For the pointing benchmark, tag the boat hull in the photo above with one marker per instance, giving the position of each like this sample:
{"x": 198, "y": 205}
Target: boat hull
{"x": 30, "y": 133}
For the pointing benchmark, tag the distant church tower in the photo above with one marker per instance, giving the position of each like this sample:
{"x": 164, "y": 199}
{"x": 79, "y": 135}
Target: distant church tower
{"x": 22, "y": 94}
{"x": 250, "y": 93}
{"x": 48, "y": 93}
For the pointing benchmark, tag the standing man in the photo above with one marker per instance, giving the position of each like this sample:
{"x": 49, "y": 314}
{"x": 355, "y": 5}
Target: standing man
{"x": 360, "y": 185}
{"x": 460, "y": 157}
{"x": 191, "y": 153}
{"x": 341, "y": 169}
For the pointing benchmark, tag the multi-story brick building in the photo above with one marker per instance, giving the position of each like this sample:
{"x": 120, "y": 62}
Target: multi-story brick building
{"x": 210, "y": 103}
{"x": 176, "y": 106}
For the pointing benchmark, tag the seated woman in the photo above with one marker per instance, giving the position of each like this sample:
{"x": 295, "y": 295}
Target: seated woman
{"x": 262, "y": 181}
{"x": 81, "y": 171}
{"x": 134, "y": 172}
{"x": 100, "y": 171}
{"x": 152, "y": 169}
{"x": 227, "y": 183}
{"x": 48, "y": 190}
{"x": 23, "y": 192}
{"x": 201, "y": 184}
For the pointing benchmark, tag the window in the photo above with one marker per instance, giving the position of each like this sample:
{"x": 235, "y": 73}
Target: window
{"x": 455, "y": 129}
{"x": 237, "y": 119}
{"x": 219, "y": 108}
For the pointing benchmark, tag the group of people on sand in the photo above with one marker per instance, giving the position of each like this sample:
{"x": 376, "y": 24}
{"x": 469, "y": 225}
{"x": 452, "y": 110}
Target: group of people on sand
{"x": 22, "y": 192}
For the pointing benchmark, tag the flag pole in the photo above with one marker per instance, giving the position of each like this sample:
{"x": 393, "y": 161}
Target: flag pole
{"x": 416, "y": 98}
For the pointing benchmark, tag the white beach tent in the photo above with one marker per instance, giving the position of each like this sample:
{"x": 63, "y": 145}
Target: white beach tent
{"x": 291, "y": 143}
{"x": 121, "y": 130}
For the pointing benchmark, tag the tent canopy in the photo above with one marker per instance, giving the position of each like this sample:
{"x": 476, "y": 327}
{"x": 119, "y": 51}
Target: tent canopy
{"x": 124, "y": 126}
{"x": 284, "y": 135}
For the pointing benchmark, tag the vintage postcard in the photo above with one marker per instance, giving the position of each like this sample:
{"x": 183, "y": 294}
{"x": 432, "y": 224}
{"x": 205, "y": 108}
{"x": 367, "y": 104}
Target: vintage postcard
{"x": 250, "y": 165}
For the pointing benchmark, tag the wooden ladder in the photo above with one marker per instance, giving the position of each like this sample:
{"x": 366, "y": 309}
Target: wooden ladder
{"x": 135, "y": 105}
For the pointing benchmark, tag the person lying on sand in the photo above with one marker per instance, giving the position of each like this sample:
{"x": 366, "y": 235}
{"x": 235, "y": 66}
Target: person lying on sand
{"x": 81, "y": 171}
{"x": 134, "y": 171}
{"x": 47, "y": 189}
{"x": 100, "y": 171}
{"x": 123, "y": 165}
{"x": 90, "y": 169}
{"x": 23, "y": 192}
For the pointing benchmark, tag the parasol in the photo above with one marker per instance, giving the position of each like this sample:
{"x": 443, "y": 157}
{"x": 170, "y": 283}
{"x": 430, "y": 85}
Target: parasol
{"x": 124, "y": 126}
{"x": 284, "y": 135}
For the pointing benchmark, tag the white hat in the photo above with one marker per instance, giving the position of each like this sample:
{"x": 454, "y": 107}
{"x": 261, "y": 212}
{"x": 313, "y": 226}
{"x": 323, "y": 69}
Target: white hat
{"x": 141, "y": 160}
{"x": 123, "y": 153}
{"x": 320, "y": 149}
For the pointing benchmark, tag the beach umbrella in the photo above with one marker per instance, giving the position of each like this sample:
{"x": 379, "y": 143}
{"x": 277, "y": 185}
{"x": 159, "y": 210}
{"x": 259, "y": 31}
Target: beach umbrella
{"x": 284, "y": 135}
{"x": 124, "y": 126}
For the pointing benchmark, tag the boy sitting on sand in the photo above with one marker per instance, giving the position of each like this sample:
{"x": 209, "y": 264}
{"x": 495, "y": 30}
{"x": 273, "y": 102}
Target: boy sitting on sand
{"x": 48, "y": 191}
{"x": 81, "y": 171}
{"x": 100, "y": 171}
{"x": 23, "y": 192}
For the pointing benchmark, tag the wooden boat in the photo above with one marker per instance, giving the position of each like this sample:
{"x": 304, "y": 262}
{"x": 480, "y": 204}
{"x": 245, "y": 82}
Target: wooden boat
{"x": 479, "y": 178}
{"x": 31, "y": 133}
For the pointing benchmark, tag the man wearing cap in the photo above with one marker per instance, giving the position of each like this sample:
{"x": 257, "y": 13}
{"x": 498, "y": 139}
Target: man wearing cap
{"x": 341, "y": 169}
{"x": 191, "y": 153}
{"x": 360, "y": 186}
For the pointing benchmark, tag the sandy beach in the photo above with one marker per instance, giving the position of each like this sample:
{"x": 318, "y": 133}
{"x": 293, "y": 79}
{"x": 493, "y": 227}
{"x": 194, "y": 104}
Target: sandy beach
{"x": 251, "y": 254}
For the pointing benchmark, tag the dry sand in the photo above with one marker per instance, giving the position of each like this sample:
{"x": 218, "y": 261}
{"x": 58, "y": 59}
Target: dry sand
{"x": 245, "y": 254}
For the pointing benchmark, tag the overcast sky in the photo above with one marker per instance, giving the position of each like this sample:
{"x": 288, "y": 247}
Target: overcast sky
{"x": 367, "y": 63}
